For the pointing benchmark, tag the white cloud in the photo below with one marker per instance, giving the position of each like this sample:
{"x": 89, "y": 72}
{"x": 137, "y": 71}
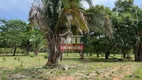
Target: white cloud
{"x": 108, "y": 3}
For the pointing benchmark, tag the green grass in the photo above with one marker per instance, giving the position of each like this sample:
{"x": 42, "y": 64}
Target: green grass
{"x": 30, "y": 68}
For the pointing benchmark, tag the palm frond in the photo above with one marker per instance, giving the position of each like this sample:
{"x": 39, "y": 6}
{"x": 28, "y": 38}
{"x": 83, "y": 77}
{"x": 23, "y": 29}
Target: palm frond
{"x": 76, "y": 18}
{"x": 98, "y": 20}
{"x": 79, "y": 20}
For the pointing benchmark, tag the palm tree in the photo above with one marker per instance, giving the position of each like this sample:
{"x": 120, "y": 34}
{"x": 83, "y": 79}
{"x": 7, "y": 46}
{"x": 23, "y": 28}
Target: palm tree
{"x": 56, "y": 17}
{"x": 98, "y": 19}
{"x": 38, "y": 43}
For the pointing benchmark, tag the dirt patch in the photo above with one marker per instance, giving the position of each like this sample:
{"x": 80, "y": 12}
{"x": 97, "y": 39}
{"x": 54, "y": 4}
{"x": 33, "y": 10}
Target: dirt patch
{"x": 124, "y": 71}
{"x": 113, "y": 73}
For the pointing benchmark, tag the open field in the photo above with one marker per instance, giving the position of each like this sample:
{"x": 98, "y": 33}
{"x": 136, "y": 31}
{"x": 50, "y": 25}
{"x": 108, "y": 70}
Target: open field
{"x": 92, "y": 68}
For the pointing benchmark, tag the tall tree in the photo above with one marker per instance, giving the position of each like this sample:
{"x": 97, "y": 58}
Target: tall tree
{"x": 127, "y": 25}
{"x": 99, "y": 22}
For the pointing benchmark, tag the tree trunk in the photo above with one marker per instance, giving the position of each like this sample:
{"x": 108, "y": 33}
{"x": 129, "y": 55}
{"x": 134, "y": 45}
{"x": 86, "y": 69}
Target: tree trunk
{"x": 36, "y": 52}
{"x": 27, "y": 51}
{"x": 14, "y": 50}
{"x": 91, "y": 54}
{"x": 67, "y": 53}
{"x": 98, "y": 55}
{"x": 124, "y": 55}
{"x": 53, "y": 55}
{"x": 107, "y": 54}
{"x": 27, "y": 48}
{"x": 138, "y": 51}
{"x": 82, "y": 55}
{"x": 54, "y": 52}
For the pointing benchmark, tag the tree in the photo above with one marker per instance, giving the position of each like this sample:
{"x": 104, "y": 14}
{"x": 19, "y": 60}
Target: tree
{"x": 25, "y": 42}
{"x": 138, "y": 45}
{"x": 127, "y": 25}
{"x": 56, "y": 17}
{"x": 12, "y": 33}
{"x": 98, "y": 18}
{"x": 37, "y": 41}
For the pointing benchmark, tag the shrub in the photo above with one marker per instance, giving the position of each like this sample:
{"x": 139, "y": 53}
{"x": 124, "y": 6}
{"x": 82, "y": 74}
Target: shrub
{"x": 3, "y": 77}
{"x": 10, "y": 50}
{"x": 45, "y": 56}
{"x": 32, "y": 55}
{"x": 19, "y": 50}
{"x": 5, "y": 50}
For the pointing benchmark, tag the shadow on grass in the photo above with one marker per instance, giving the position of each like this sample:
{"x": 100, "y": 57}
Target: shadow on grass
{"x": 24, "y": 73}
{"x": 12, "y": 55}
{"x": 99, "y": 60}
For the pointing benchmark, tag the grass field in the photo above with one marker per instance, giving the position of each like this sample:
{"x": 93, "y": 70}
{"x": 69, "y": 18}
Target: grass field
{"x": 92, "y": 68}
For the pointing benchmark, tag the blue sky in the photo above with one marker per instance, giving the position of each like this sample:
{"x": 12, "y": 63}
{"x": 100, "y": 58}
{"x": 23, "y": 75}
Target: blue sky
{"x": 18, "y": 9}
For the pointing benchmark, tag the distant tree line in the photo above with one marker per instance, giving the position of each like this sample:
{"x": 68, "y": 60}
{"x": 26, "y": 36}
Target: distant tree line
{"x": 126, "y": 21}
{"x": 17, "y": 36}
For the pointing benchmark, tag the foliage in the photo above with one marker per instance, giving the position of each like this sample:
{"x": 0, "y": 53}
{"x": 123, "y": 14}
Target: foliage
{"x": 37, "y": 41}
{"x": 125, "y": 19}
{"x": 5, "y": 50}
{"x": 12, "y": 31}
{"x": 98, "y": 19}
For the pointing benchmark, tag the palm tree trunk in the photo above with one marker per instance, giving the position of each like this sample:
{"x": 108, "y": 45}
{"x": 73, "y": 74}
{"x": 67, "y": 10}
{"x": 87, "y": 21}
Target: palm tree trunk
{"x": 54, "y": 52}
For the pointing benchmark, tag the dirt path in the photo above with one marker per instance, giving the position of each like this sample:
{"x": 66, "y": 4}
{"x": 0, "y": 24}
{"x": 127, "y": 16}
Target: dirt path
{"x": 125, "y": 70}
{"x": 111, "y": 73}
{"x": 114, "y": 73}
{"x": 117, "y": 72}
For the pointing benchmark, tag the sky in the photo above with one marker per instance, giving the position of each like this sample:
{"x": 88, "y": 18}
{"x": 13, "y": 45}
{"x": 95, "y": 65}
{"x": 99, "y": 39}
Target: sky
{"x": 19, "y": 9}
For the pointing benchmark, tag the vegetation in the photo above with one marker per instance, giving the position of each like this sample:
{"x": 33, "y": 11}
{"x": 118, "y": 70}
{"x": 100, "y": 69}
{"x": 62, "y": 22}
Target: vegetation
{"x": 23, "y": 67}
{"x": 112, "y": 41}
{"x": 63, "y": 15}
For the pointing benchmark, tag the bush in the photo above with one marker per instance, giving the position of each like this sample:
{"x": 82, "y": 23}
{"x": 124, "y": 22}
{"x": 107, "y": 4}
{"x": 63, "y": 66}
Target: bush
{"x": 3, "y": 77}
{"x": 32, "y": 55}
{"x": 5, "y": 50}
{"x": 10, "y": 50}
{"x": 45, "y": 56}
{"x": 20, "y": 50}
